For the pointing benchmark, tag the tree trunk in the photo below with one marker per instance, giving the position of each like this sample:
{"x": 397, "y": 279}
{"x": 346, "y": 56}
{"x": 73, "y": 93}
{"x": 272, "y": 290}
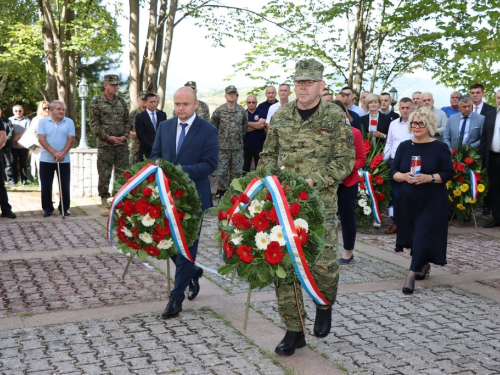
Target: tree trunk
{"x": 149, "y": 53}
{"x": 159, "y": 43}
{"x": 167, "y": 47}
{"x": 50, "y": 64}
{"x": 358, "y": 27}
{"x": 134, "y": 53}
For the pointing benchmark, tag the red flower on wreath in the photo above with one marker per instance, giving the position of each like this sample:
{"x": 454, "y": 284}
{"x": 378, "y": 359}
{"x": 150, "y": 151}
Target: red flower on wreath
{"x": 179, "y": 193}
{"x": 135, "y": 231}
{"x": 295, "y": 209}
{"x": 303, "y": 196}
{"x": 302, "y": 235}
{"x": 274, "y": 253}
{"x": 133, "y": 191}
{"x": 379, "y": 197}
{"x": 128, "y": 208}
{"x": 245, "y": 253}
{"x": 181, "y": 215}
{"x": 461, "y": 167}
{"x": 268, "y": 196}
{"x": 455, "y": 164}
{"x": 367, "y": 146}
{"x": 123, "y": 238}
{"x": 147, "y": 191}
{"x": 379, "y": 180}
{"x": 273, "y": 216}
{"x": 478, "y": 177}
{"x": 362, "y": 186}
{"x": 142, "y": 206}
{"x": 454, "y": 152}
{"x": 151, "y": 177}
{"x": 228, "y": 248}
{"x": 468, "y": 161}
{"x": 241, "y": 221}
{"x": 222, "y": 215}
{"x": 261, "y": 221}
{"x": 243, "y": 198}
{"x": 127, "y": 175}
{"x": 362, "y": 178}
{"x": 134, "y": 245}
{"x": 152, "y": 250}
{"x": 118, "y": 206}
{"x": 233, "y": 199}
{"x": 157, "y": 237}
{"x": 460, "y": 179}
{"x": 376, "y": 161}
{"x": 155, "y": 211}
{"x": 163, "y": 230}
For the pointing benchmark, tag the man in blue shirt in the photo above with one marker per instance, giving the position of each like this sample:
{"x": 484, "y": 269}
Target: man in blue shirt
{"x": 453, "y": 108}
{"x": 56, "y": 135}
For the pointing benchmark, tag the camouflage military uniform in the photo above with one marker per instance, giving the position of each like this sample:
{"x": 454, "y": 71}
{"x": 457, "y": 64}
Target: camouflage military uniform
{"x": 232, "y": 124}
{"x": 320, "y": 148}
{"x": 109, "y": 118}
{"x": 202, "y": 111}
{"x": 134, "y": 141}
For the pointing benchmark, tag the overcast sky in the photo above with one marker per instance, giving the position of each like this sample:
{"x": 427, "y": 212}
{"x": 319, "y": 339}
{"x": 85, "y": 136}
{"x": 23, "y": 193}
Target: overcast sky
{"x": 194, "y": 58}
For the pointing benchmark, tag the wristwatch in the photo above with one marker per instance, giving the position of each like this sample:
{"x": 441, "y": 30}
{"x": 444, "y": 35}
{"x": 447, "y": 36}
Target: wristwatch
{"x": 433, "y": 179}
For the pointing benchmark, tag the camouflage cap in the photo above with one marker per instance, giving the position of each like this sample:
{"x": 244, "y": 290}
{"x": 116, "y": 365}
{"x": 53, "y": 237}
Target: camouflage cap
{"x": 142, "y": 94}
{"x": 308, "y": 70}
{"x": 191, "y": 84}
{"x": 231, "y": 88}
{"x": 112, "y": 78}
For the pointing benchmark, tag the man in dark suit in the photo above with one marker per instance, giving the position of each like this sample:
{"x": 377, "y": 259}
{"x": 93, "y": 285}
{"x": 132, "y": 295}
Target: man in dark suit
{"x": 146, "y": 125}
{"x": 490, "y": 152}
{"x": 477, "y": 94}
{"x": 192, "y": 143}
{"x": 464, "y": 127}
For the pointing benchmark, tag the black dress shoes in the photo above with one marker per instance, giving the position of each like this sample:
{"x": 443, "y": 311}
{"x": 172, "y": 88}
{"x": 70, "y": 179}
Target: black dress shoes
{"x": 492, "y": 224}
{"x": 9, "y": 215}
{"x": 172, "y": 310}
{"x": 194, "y": 285}
{"x": 291, "y": 341}
{"x": 323, "y": 322}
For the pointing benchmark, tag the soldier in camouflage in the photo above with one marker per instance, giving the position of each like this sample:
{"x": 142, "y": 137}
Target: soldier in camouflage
{"x": 202, "y": 111}
{"x": 232, "y": 122}
{"x": 134, "y": 141}
{"x": 109, "y": 121}
{"x": 309, "y": 136}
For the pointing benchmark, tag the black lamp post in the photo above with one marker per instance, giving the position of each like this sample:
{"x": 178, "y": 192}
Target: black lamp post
{"x": 83, "y": 91}
{"x": 394, "y": 96}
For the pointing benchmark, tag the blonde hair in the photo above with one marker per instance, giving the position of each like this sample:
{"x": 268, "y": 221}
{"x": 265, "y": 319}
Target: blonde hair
{"x": 427, "y": 117}
{"x": 39, "y": 108}
{"x": 371, "y": 98}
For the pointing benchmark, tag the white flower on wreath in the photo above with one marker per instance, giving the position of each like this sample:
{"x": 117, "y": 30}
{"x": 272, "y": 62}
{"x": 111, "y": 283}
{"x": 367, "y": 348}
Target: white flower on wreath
{"x": 362, "y": 192}
{"x": 277, "y": 235}
{"x": 165, "y": 244}
{"x": 301, "y": 223}
{"x": 236, "y": 237}
{"x": 146, "y": 237}
{"x": 367, "y": 210}
{"x": 362, "y": 203}
{"x": 147, "y": 220}
{"x": 127, "y": 232}
{"x": 130, "y": 219}
{"x": 255, "y": 207}
{"x": 262, "y": 239}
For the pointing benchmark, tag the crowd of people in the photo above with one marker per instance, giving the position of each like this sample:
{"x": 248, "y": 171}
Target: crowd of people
{"x": 317, "y": 135}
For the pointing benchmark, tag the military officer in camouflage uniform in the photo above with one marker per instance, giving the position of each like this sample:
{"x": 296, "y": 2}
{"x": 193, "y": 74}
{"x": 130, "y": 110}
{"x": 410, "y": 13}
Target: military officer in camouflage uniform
{"x": 134, "y": 141}
{"x": 109, "y": 121}
{"x": 232, "y": 122}
{"x": 309, "y": 136}
{"x": 202, "y": 111}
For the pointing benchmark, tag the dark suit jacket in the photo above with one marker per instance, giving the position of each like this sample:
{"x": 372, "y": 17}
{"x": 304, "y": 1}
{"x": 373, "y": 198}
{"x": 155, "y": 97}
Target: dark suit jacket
{"x": 486, "y": 108}
{"x": 383, "y": 123}
{"x": 487, "y": 137}
{"x": 197, "y": 156}
{"x": 356, "y": 120}
{"x": 146, "y": 131}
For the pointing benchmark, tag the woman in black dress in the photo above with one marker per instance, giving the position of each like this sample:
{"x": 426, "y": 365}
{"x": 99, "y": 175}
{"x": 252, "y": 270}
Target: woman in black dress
{"x": 423, "y": 199}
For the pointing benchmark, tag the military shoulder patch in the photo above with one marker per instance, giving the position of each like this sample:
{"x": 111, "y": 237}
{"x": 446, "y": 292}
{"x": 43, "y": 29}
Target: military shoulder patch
{"x": 351, "y": 140}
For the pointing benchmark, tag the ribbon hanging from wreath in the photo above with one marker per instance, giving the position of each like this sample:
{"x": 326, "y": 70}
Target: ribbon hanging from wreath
{"x": 371, "y": 194}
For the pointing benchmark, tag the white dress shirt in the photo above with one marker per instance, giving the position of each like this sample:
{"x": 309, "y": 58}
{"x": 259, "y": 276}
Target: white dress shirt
{"x": 478, "y": 108}
{"x": 495, "y": 142}
{"x": 179, "y": 128}
{"x": 398, "y": 132}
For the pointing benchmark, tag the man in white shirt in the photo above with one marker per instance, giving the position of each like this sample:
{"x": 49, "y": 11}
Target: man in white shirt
{"x": 442, "y": 119}
{"x": 398, "y": 132}
{"x": 284, "y": 93}
{"x": 350, "y": 104}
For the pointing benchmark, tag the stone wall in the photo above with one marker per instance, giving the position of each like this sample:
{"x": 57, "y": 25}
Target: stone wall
{"x": 84, "y": 175}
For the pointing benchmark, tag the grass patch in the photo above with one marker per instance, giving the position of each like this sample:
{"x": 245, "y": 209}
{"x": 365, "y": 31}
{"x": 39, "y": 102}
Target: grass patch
{"x": 27, "y": 314}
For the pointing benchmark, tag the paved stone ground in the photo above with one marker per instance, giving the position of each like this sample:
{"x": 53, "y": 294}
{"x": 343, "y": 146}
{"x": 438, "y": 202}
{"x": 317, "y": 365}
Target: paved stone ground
{"x": 450, "y": 325}
{"x": 199, "y": 343}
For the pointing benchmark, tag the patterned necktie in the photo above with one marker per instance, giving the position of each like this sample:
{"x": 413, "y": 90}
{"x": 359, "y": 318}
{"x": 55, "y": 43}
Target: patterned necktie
{"x": 476, "y": 109}
{"x": 182, "y": 136}
{"x": 153, "y": 119}
{"x": 462, "y": 130}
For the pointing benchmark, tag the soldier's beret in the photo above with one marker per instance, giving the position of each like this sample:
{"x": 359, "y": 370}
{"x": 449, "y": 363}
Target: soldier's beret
{"x": 231, "y": 88}
{"x": 112, "y": 78}
{"x": 308, "y": 70}
{"x": 191, "y": 84}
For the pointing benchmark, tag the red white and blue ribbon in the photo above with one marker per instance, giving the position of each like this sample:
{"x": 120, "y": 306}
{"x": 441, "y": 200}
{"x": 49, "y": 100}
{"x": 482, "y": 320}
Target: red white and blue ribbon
{"x": 473, "y": 184}
{"x": 371, "y": 193}
{"x": 166, "y": 198}
{"x": 293, "y": 244}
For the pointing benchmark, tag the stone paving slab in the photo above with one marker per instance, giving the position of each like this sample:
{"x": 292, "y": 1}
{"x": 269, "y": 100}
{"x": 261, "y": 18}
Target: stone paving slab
{"x": 492, "y": 283}
{"x": 51, "y": 233}
{"x": 199, "y": 342}
{"x": 468, "y": 252}
{"x": 70, "y": 283}
{"x": 439, "y": 329}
